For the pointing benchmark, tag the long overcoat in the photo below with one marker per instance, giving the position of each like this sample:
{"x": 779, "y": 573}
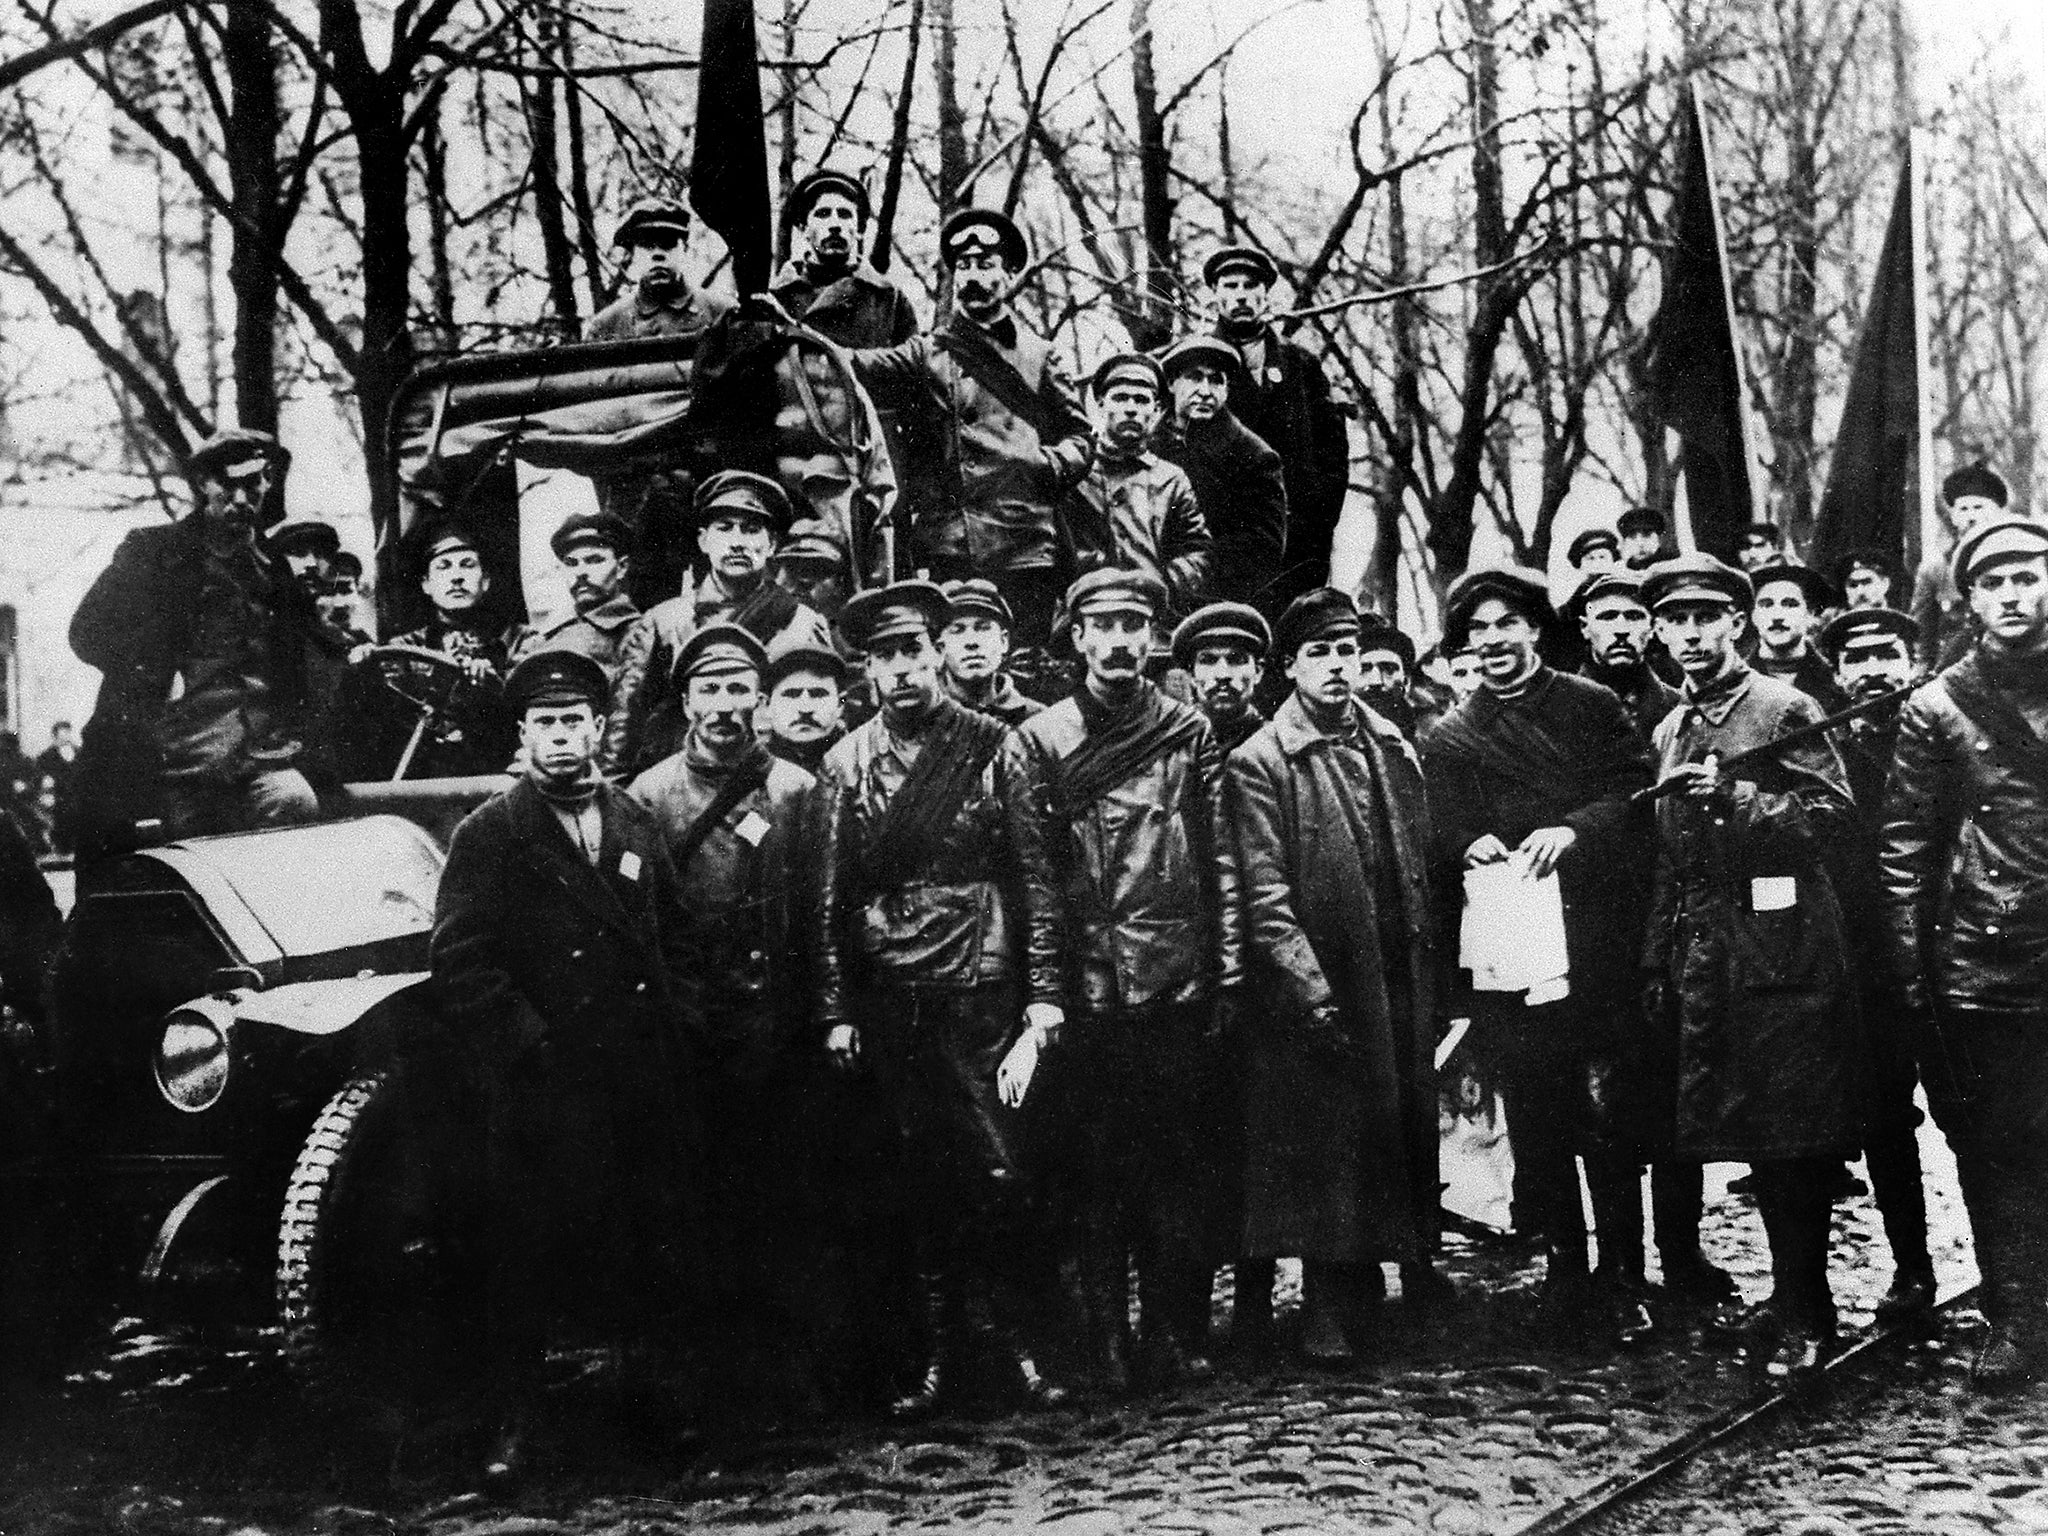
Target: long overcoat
{"x": 1746, "y": 930}
{"x": 1341, "y": 1136}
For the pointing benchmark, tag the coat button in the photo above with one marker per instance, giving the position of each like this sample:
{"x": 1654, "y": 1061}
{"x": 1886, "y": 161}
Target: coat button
{"x": 639, "y": 986}
{"x": 756, "y": 956}
{"x": 1991, "y": 927}
{"x": 575, "y": 954}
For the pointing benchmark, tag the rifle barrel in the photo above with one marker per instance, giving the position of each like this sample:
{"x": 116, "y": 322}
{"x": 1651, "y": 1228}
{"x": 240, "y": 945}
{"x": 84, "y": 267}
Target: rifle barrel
{"x": 1797, "y": 736}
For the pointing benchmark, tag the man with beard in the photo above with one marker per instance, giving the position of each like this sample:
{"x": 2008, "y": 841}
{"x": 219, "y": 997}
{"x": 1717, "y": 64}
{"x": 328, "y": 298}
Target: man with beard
{"x": 829, "y": 285}
{"x": 994, "y": 438}
{"x": 1973, "y": 495}
{"x": 732, "y": 815}
{"x": 1223, "y": 650}
{"x": 1871, "y": 650}
{"x": 1744, "y": 952}
{"x": 558, "y": 956}
{"x": 920, "y": 942}
{"x": 739, "y": 516}
{"x": 308, "y": 547}
{"x": 1965, "y": 871}
{"x": 1333, "y": 834}
{"x": 1240, "y": 487}
{"x": 658, "y": 300}
{"x": 1536, "y": 772}
{"x": 1609, "y": 608}
{"x": 1286, "y": 404}
{"x": 1386, "y": 666}
{"x": 595, "y": 550}
{"x": 1115, "y": 803}
{"x": 1789, "y": 601}
{"x": 1641, "y": 530}
{"x": 972, "y": 649}
{"x": 803, "y": 715}
{"x": 1134, "y": 509}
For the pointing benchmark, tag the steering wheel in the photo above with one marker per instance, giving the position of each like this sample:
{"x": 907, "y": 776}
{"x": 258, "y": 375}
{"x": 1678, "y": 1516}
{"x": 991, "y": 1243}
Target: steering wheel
{"x": 427, "y": 680}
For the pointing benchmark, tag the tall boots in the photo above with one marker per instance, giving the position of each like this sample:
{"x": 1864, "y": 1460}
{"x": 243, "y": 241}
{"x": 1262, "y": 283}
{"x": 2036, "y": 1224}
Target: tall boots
{"x": 2012, "y": 1261}
{"x": 1677, "y": 1198}
{"x": 1337, "y": 1303}
{"x": 971, "y": 1317}
{"x": 940, "y": 1348}
{"x": 1617, "y": 1190}
{"x": 1893, "y": 1158}
{"x": 1794, "y": 1197}
{"x": 1251, "y": 1309}
{"x": 1105, "y": 1270}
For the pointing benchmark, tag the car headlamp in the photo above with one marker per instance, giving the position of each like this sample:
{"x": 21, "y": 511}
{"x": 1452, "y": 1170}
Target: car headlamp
{"x": 194, "y": 1057}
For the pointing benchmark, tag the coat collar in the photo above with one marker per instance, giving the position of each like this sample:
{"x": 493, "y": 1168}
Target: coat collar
{"x": 546, "y": 846}
{"x": 1296, "y": 733}
{"x": 614, "y": 612}
{"x": 1717, "y": 700}
{"x": 860, "y": 275}
{"x": 1485, "y": 704}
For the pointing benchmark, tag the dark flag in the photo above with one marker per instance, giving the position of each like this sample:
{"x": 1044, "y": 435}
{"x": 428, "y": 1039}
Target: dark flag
{"x": 1873, "y": 492}
{"x": 729, "y": 163}
{"x": 1695, "y": 367}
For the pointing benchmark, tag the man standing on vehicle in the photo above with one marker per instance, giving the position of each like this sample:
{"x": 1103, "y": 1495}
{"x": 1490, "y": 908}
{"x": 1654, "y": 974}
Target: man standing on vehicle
{"x": 558, "y": 956}
{"x": 733, "y": 816}
{"x": 596, "y": 552}
{"x": 657, "y": 299}
{"x": 1240, "y": 485}
{"x": 1115, "y": 799}
{"x": 994, "y": 438}
{"x": 739, "y": 517}
{"x": 920, "y": 976}
{"x": 1965, "y": 871}
{"x": 828, "y": 284}
{"x": 201, "y": 636}
{"x": 1136, "y": 510}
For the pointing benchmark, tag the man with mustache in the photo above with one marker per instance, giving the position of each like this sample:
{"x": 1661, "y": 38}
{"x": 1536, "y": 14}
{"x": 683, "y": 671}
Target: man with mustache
{"x": 1240, "y": 486}
{"x": 1134, "y": 509}
{"x": 1965, "y": 871}
{"x": 1286, "y": 403}
{"x": 739, "y": 517}
{"x": 1789, "y": 601}
{"x": 657, "y": 299}
{"x": 1608, "y": 608}
{"x": 972, "y": 649}
{"x": 829, "y": 284}
{"x": 922, "y": 980}
{"x": 803, "y": 716}
{"x": 559, "y": 958}
{"x": 1871, "y": 650}
{"x": 1744, "y": 955}
{"x": 1223, "y": 650}
{"x": 1535, "y": 772}
{"x": 1333, "y": 834}
{"x": 1386, "y": 666}
{"x": 733, "y": 815}
{"x": 994, "y": 439}
{"x": 595, "y": 551}
{"x": 1115, "y": 804}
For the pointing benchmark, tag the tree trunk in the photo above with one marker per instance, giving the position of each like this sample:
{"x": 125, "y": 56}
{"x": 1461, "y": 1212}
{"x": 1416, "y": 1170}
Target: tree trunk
{"x": 254, "y": 186}
{"x": 386, "y": 355}
{"x": 899, "y": 140}
{"x": 594, "y": 285}
{"x": 542, "y": 133}
{"x": 434, "y": 188}
{"x": 1155, "y": 177}
{"x": 952, "y": 130}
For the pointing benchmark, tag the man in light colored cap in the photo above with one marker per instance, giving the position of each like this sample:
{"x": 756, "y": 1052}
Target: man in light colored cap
{"x": 1223, "y": 648}
{"x": 922, "y": 946}
{"x": 804, "y": 714}
{"x": 1115, "y": 801}
{"x": 1534, "y": 775}
{"x": 732, "y": 815}
{"x": 739, "y": 517}
{"x": 1965, "y": 865}
{"x": 992, "y": 436}
{"x": 1766, "y": 1036}
{"x": 1135, "y": 509}
{"x": 974, "y": 645}
{"x": 596, "y": 553}
{"x": 1333, "y": 831}
{"x": 1240, "y": 485}
{"x": 828, "y": 283}
{"x": 1286, "y": 403}
{"x": 657, "y": 300}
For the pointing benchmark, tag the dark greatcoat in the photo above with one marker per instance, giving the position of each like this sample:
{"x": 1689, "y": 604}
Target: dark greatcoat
{"x": 1241, "y": 488}
{"x": 1342, "y": 1143}
{"x": 859, "y": 308}
{"x": 1767, "y": 1021}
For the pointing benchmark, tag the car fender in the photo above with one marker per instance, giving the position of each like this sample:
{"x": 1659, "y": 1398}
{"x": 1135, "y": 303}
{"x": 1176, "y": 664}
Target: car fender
{"x": 324, "y": 1007}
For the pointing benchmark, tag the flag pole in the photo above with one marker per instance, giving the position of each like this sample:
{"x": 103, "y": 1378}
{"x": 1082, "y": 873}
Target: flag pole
{"x": 1928, "y": 530}
{"x": 1752, "y": 459}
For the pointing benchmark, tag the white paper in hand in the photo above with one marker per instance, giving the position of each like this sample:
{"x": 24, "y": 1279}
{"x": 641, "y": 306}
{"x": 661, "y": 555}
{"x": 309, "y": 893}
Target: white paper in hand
{"x": 1013, "y": 1077}
{"x": 1512, "y": 938}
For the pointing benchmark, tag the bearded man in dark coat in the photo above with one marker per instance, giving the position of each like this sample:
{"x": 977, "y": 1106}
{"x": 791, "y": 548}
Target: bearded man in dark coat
{"x": 1745, "y": 946}
{"x": 1333, "y": 836}
{"x": 1535, "y": 772}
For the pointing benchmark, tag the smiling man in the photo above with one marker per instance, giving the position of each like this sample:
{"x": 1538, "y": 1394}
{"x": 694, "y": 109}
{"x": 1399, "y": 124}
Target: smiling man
{"x": 1534, "y": 773}
{"x": 1965, "y": 869}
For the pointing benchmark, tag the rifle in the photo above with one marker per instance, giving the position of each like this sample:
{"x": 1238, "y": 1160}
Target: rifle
{"x": 1798, "y": 736}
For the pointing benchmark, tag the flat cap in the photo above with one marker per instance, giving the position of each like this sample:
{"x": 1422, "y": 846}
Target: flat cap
{"x": 1590, "y": 540}
{"x": 977, "y": 597}
{"x": 721, "y": 648}
{"x": 814, "y": 186}
{"x": 1617, "y": 582}
{"x": 1640, "y": 520}
{"x": 881, "y": 613}
{"x": 2004, "y": 538}
{"x": 606, "y": 528}
{"x": 438, "y": 537}
{"x": 232, "y": 447}
{"x": 1818, "y": 590}
{"x": 792, "y": 653}
{"x": 1189, "y": 350}
{"x": 1695, "y": 577}
{"x": 1377, "y": 633}
{"x": 810, "y": 541}
{"x": 1222, "y": 624}
{"x": 1315, "y": 615}
{"x": 1128, "y": 368}
{"x": 983, "y": 229}
{"x": 1855, "y": 624}
{"x": 653, "y": 216}
{"x": 739, "y": 490}
{"x": 1112, "y": 589}
{"x": 1978, "y": 479}
{"x": 1524, "y": 590}
{"x": 305, "y": 535}
{"x": 1241, "y": 258}
{"x": 549, "y": 675}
